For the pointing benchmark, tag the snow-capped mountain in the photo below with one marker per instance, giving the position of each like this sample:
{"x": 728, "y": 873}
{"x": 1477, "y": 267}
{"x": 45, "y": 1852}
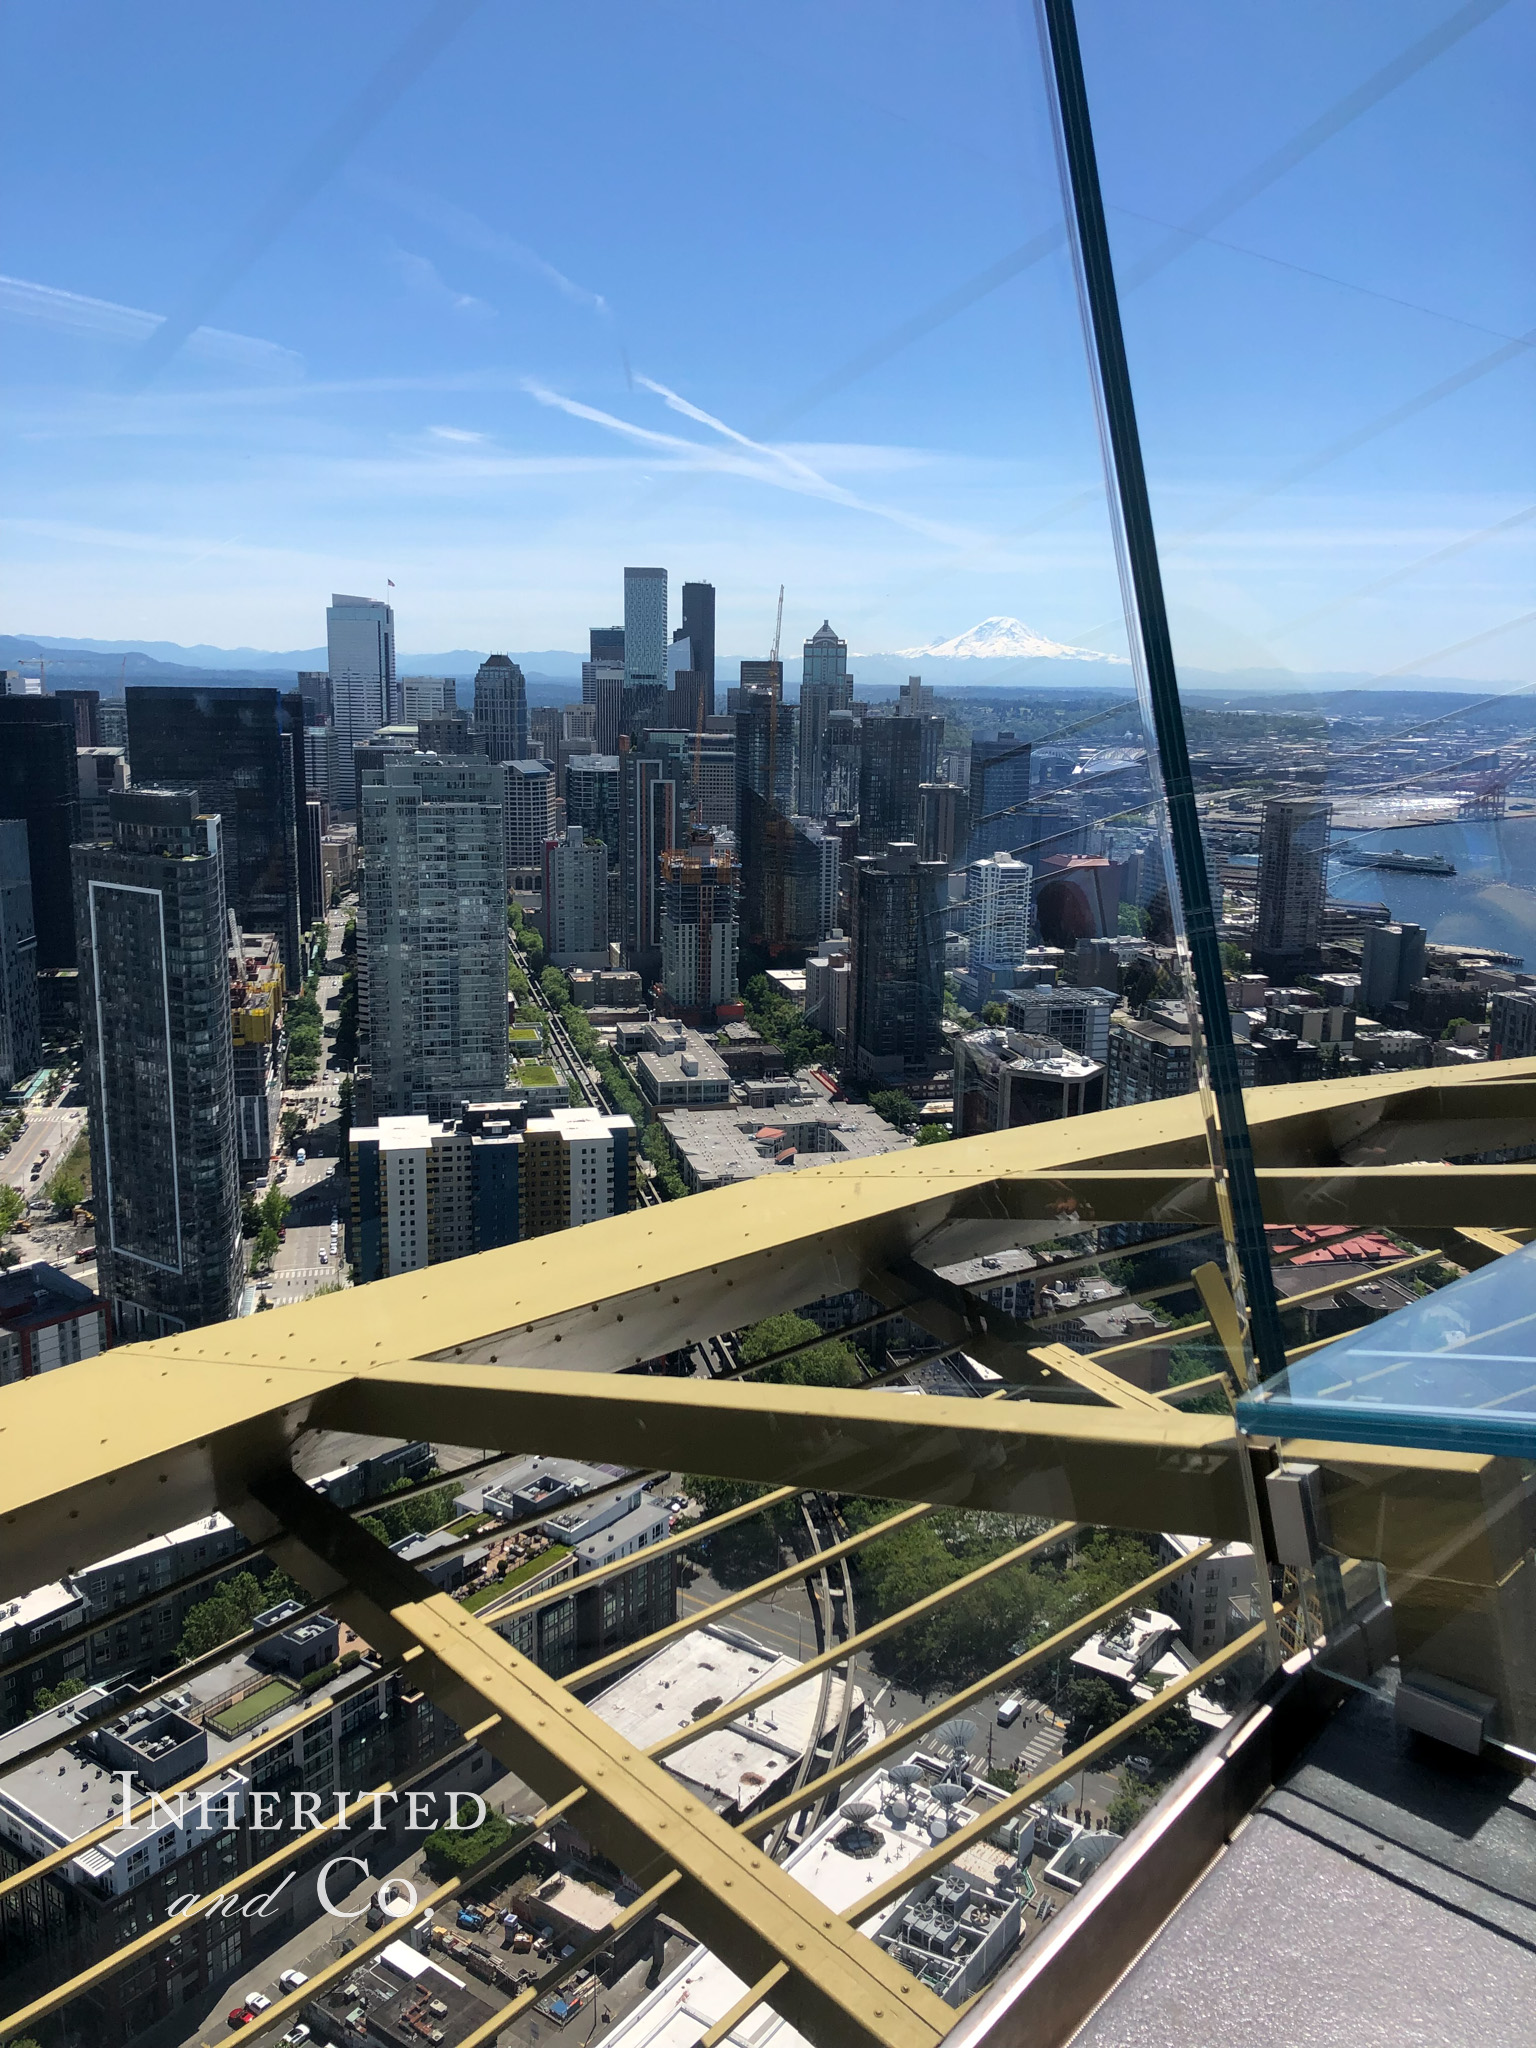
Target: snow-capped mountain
{"x": 1001, "y": 639}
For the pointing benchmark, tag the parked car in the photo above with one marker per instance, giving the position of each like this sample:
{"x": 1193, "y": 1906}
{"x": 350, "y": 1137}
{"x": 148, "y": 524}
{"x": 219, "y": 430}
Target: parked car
{"x": 257, "y": 2001}
{"x": 290, "y": 1980}
{"x": 294, "y": 2036}
{"x": 241, "y": 2016}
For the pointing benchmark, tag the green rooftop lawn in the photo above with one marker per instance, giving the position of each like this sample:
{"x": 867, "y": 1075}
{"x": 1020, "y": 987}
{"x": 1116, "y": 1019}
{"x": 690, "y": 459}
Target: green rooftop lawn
{"x": 537, "y": 1074}
{"x": 242, "y": 1714}
{"x": 528, "y": 1570}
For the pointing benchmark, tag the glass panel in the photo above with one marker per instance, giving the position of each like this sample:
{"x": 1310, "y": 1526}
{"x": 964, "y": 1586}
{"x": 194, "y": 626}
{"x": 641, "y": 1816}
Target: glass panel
{"x": 1455, "y": 1371}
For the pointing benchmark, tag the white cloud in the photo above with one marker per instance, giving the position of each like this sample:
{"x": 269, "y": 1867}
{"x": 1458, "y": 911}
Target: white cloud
{"x": 20, "y": 299}
{"x": 454, "y": 434}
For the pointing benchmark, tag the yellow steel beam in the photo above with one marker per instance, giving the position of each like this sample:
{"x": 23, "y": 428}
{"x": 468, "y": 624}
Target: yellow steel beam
{"x": 733, "y": 1897}
{"x": 1221, "y": 1309}
{"x": 1093, "y": 1378}
{"x": 1139, "y": 1469}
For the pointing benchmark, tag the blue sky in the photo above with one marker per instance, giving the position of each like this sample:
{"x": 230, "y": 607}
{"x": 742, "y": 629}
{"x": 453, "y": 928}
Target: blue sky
{"x": 575, "y": 294}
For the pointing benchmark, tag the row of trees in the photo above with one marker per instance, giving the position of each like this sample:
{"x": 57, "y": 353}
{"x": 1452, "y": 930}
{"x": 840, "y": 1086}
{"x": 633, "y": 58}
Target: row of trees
{"x": 230, "y": 1609}
{"x": 264, "y": 1221}
{"x": 303, "y": 1038}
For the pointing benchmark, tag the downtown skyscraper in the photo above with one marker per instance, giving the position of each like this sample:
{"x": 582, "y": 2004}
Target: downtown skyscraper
{"x": 155, "y": 1020}
{"x": 645, "y": 648}
{"x": 360, "y": 642}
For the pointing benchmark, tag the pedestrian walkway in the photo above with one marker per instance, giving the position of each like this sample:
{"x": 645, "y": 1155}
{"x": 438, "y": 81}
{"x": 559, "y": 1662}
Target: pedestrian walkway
{"x": 1043, "y": 1744}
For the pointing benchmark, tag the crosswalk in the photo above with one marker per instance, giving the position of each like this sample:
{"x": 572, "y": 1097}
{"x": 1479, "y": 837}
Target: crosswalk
{"x": 1041, "y": 1746}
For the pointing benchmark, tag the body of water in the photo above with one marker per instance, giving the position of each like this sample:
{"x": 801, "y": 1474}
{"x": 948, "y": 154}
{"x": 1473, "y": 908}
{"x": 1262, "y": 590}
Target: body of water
{"x": 1489, "y": 901}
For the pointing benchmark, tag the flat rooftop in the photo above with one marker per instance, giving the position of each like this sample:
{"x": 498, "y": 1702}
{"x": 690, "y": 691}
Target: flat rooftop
{"x": 693, "y": 1676}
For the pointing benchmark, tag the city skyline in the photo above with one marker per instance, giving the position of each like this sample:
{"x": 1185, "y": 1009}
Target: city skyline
{"x": 921, "y": 456}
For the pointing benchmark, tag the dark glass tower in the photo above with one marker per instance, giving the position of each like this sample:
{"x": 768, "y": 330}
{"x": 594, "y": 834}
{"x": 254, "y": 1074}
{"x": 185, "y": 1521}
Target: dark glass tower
{"x": 896, "y": 1031}
{"x": 699, "y": 628}
{"x": 229, "y": 745}
{"x": 998, "y": 793}
{"x": 501, "y": 708}
{"x": 825, "y": 687}
{"x": 893, "y": 753}
{"x": 39, "y": 782}
{"x": 154, "y": 1017}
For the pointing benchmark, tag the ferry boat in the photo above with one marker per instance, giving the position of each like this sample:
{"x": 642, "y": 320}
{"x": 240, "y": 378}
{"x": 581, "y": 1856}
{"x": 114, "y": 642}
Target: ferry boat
{"x": 1400, "y": 862}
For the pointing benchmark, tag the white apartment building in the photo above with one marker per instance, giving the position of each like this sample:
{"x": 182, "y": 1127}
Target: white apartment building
{"x": 998, "y": 898}
{"x": 528, "y": 818}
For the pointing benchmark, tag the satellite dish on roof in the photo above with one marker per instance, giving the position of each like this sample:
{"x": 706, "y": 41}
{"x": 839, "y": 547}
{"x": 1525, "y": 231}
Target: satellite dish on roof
{"x": 957, "y": 1736}
{"x": 949, "y": 1794}
{"x": 905, "y": 1774}
{"x": 859, "y": 1811}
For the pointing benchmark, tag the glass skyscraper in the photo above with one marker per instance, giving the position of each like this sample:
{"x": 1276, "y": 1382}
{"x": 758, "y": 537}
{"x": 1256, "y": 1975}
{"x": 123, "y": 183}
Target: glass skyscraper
{"x": 360, "y": 641}
{"x": 159, "y": 1063}
{"x": 230, "y": 745}
{"x": 645, "y": 646}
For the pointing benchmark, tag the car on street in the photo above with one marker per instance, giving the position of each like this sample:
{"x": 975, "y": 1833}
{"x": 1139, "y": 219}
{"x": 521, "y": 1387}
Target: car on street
{"x": 294, "y": 2036}
{"x": 257, "y": 2001}
{"x": 1009, "y": 1711}
{"x": 325, "y": 1258}
{"x": 241, "y": 2016}
{"x": 290, "y": 1980}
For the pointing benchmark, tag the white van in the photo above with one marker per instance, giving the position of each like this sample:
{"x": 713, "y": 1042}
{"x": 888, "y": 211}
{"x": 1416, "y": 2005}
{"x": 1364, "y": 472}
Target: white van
{"x": 1009, "y": 1711}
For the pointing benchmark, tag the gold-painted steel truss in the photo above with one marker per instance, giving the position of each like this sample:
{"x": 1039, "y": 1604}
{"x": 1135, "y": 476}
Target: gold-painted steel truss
{"x": 517, "y": 1350}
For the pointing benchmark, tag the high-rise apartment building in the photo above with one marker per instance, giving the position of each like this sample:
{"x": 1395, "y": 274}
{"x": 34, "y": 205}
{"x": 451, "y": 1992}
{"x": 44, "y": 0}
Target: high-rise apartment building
{"x": 40, "y": 784}
{"x": 998, "y": 790}
{"x": 700, "y": 913}
{"x": 501, "y": 708}
{"x": 1392, "y": 959}
{"x": 605, "y": 648}
{"x": 575, "y": 884}
{"x": 154, "y": 1014}
{"x": 998, "y": 895}
{"x": 840, "y": 751}
{"x": 231, "y": 746}
{"x": 432, "y": 936}
{"x": 21, "y": 1042}
{"x": 1293, "y": 884}
{"x": 645, "y": 648}
{"x": 315, "y": 689}
{"x": 84, "y": 708}
{"x": 1512, "y": 1024}
{"x": 528, "y": 818}
{"x": 914, "y": 699}
{"x": 577, "y": 1166}
{"x": 895, "y": 756}
{"x": 360, "y": 653}
{"x": 825, "y": 687}
{"x": 607, "y": 703}
{"x": 898, "y": 964}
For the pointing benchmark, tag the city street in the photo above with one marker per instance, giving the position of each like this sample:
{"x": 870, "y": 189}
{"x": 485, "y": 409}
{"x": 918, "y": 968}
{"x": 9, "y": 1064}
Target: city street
{"x": 52, "y": 1131}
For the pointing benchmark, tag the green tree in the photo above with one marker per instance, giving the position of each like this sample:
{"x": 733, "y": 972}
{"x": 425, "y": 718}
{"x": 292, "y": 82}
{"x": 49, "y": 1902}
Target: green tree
{"x": 656, "y": 1148}
{"x": 993, "y": 1014}
{"x": 1128, "y": 1805}
{"x": 274, "y": 1208}
{"x": 556, "y": 989}
{"x": 771, "y": 1013}
{"x": 1190, "y": 1362}
{"x": 55, "y": 1695}
{"x": 895, "y": 1107}
{"x": 250, "y": 1214}
{"x": 1090, "y": 1705}
{"x": 12, "y": 1209}
{"x": 229, "y": 1610}
{"x": 264, "y": 1251}
{"x": 933, "y": 1134}
{"x": 831, "y": 1363}
{"x": 66, "y": 1191}
{"x": 291, "y": 1125}
{"x": 449, "y": 1853}
{"x": 1133, "y": 921}
{"x": 1455, "y": 1024}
